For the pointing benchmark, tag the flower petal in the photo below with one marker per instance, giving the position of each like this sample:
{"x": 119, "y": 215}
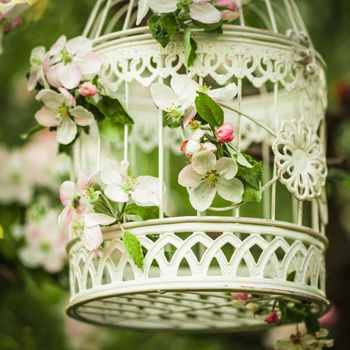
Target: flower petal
{"x": 232, "y": 190}
{"x": 79, "y": 45}
{"x": 202, "y": 196}
{"x": 52, "y": 73}
{"x": 146, "y": 192}
{"x": 226, "y": 167}
{"x": 203, "y": 162}
{"x": 92, "y": 238}
{"x": 185, "y": 88}
{"x": 205, "y": 13}
{"x": 163, "y": 6}
{"x": 94, "y": 219}
{"x": 112, "y": 172}
{"x": 66, "y": 131}
{"x": 89, "y": 65}
{"x": 57, "y": 47}
{"x": 47, "y": 117}
{"x": 67, "y": 192}
{"x": 51, "y": 99}
{"x": 69, "y": 75}
{"x": 163, "y": 96}
{"x": 82, "y": 116}
{"x": 142, "y": 10}
{"x": 188, "y": 177}
{"x": 116, "y": 194}
{"x": 227, "y": 93}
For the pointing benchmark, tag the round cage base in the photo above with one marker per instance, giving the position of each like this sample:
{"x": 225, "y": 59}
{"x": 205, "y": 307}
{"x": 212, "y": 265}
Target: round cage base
{"x": 193, "y": 269}
{"x": 183, "y": 311}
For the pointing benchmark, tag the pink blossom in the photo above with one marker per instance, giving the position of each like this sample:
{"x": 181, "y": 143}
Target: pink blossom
{"x": 241, "y": 296}
{"x": 88, "y": 89}
{"x": 331, "y": 318}
{"x": 225, "y": 133}
{"x": 272, "y": 318}
{"x": 71, "y": 61}
{"x": 231, "y": 11}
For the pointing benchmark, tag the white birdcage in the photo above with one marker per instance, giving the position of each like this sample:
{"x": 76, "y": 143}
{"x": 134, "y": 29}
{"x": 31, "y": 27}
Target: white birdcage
{"x": 279, "y": 115}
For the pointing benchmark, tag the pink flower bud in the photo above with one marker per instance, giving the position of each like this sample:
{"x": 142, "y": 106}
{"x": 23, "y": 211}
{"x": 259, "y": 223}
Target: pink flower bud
{"x": 88, "y": 89}
{"x": 272, "y": 318}
{"x": 241, "y": 296}
{"x": 183, "y": 146}
{"x": 225, "y": 133}
{"x": 231, "y": 11}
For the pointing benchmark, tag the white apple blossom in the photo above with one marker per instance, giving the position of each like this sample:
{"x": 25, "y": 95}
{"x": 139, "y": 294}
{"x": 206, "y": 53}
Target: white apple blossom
{"x": 87, "y": 227}
{"x": 206, "y": 176}
{"x": 45, "y": 244}
{"x": 194, "y": 144}
{"x": 178, "y": 100}
{"x": 200, "y": 10}
{"x": 143, "y": 190}
{"x": 71, "y": 61}
{"x": 60, "y": 110}
{"x": 77, "y": 199}
{"x": 36, "y": 72}
{"x": 78, "y": 216}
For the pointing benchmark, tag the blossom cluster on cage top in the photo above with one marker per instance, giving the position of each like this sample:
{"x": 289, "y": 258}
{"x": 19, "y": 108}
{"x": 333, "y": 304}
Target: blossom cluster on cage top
{"x": 215, "y": 166}
{"x": 102, "y": 199}
{"x": 181, "y": 16}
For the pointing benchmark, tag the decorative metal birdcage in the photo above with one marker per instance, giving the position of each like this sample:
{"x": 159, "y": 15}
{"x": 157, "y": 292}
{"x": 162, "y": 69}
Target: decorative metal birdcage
{"x": 198, "y": 264}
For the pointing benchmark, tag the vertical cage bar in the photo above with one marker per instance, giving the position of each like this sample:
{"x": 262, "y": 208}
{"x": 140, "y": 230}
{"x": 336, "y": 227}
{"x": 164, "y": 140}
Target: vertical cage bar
{"x": 236, "y": 212}
{"x": 266, "y": 194}
{"x": 128, "y": 14}
{"x": 241, "y": 13}
{"x": 161, "y": 154}
{"x": 300, "y": 206}
{"x": 103, "y": 19}
{"x": 126, "y": 128}
{"x": 272, "y": 16}
{"x": 315, "y": 216}
{"x": 92, "y": 17}
{"x": 274, "y": 186}
{"x": 290, "y": 14}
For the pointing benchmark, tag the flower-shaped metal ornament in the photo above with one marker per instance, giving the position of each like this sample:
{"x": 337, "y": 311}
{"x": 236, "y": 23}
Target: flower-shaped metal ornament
{"x": 300, "y": 159}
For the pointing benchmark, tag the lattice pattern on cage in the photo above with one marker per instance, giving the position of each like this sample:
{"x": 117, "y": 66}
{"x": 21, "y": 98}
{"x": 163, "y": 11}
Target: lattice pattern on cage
{"x": 240, "y": 253}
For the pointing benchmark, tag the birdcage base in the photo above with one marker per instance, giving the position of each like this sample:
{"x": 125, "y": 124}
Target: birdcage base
{"x": 193, "y": 268}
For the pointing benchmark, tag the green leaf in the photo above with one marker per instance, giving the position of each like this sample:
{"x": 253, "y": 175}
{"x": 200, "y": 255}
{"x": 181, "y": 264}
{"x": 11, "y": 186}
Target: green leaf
{"x": 163, "y": 27}
{"x": 35, "y": 129}
{"x": 209, "y": 110}
{"x": 312, "y": 324}
{"x": 253, "y": 176}
{"x": 146, "y": 213}
{"x": 111, "y": 108}
{"x": 111, "y": 131}
{"x": 251, "y": 194}
{"x": 291, "y": 276}
{"x": 190, "y": 48}
{"x": 134, "y": 248}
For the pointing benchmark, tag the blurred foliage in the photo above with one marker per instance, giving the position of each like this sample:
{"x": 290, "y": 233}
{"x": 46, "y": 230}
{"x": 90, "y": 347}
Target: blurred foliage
{"x": 32, "y": 303}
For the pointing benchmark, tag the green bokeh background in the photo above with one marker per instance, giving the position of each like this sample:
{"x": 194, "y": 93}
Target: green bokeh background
{"x": 32, "y": 303}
